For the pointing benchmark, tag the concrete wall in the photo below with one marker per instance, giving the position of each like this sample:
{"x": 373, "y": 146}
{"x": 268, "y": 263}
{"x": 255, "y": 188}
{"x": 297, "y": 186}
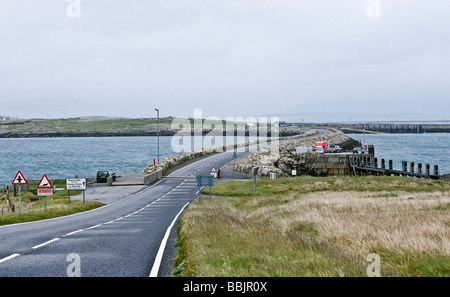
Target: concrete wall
{"x": 324, "y": 165}
{"x": 149, "y": 178}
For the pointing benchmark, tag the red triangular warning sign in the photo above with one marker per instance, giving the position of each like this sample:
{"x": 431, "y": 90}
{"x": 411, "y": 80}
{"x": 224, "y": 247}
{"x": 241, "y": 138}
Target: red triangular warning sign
{"x": 45, "y": 183}
{"x": 19, "y": 179}
{"x": 213, "y": 170}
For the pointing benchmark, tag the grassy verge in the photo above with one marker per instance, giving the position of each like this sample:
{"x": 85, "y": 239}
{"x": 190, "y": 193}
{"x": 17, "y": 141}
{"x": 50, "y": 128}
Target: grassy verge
{"x": 57, "y": 206}
{"x": 310, "y": 226}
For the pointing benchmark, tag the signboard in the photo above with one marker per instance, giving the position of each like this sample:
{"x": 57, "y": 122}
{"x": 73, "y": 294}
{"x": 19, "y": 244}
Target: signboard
{"x": 45, "y": 183}
{"x": 76, "y": 184}
{"x": 45, "y": 187}
{"x": 45, "y": 192}
{"x": 204, "y": 180}
{"x": 19, "y": 179}
{"x": 214, "y": 172}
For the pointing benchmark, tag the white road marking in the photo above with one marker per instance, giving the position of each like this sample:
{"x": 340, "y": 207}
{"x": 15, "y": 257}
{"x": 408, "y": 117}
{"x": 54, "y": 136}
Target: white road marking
{"x": 74, "y": 232}
{"x": 93, "y": 227}
{"x": 162, "y": 247}
{"x": 45, "y": 243}
{"x": 9, "y": 258}
{"x": 109, "y": 222}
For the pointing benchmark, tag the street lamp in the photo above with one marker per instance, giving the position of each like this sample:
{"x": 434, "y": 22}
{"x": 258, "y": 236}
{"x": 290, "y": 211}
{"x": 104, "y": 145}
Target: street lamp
{"x": 157, "y": 112}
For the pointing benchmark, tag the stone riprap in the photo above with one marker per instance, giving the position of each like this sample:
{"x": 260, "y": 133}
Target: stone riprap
{"x": 181, "y": 158}
{"x": 280, "y": 159}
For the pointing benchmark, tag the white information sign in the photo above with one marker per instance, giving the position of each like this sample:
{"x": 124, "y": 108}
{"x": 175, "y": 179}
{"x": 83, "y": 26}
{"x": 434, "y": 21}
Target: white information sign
{"x": 76, "y": 184}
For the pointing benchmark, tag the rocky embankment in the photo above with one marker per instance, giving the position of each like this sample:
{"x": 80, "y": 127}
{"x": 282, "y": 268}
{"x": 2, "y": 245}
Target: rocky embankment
{"x": 280, "y": 158}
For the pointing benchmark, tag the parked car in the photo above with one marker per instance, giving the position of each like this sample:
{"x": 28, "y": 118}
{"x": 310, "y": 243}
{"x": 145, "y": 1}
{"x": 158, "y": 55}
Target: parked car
{"x": 334, "y": 148}
{"x": 102, "y": 176}
{"x": 357, "y": 150}
{"x": 320, "y": 150}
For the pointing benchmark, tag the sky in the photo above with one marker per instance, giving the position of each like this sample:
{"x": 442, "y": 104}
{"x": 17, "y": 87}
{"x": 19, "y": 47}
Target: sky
{"x": 229, "y": 58}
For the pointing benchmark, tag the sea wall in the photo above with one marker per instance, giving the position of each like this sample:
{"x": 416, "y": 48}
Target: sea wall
{"x": 181, "y": 158}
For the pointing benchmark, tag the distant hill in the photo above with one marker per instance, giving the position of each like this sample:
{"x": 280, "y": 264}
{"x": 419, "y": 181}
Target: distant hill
{"x": 81, "y": 125}
{"x": 101, "y": 118}
{"x": 8, "y": 118}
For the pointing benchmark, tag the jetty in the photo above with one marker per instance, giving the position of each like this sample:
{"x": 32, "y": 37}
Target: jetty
{"x": 338, "y": 164}
{"x": 368, "y": 165}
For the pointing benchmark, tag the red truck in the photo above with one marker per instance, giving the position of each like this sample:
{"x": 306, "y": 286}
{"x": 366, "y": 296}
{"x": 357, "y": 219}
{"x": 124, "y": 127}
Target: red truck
{"x": 323, "y": 144}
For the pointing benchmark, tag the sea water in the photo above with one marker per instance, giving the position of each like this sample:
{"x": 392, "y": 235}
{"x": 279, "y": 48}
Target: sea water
{"x": 429, "y": 148}
{"x": 84, "y": 156}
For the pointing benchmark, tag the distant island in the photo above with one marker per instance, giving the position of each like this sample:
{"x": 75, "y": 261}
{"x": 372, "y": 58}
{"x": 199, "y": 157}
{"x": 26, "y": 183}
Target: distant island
{"x": 109, "y": 127}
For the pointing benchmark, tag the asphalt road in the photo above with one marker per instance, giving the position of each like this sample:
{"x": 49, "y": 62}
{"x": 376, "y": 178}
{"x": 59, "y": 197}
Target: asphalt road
{"x": 124, "y": 238}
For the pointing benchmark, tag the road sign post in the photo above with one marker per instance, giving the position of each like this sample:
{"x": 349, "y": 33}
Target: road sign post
{"x": 76, "y": 184}
{"x": 254, "y": 185}
{"x": 204, "y": 180}
{"x": 19, "y": 180}
{"x": 45, "y": 189}
{"x": 214, "y": 172}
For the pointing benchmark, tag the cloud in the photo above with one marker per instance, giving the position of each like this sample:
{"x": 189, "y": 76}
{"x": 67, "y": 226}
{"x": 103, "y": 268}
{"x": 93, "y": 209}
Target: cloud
{"x": 229, "y": 57}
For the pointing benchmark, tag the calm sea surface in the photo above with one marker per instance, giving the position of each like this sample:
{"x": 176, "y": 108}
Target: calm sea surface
{"x": 431, "y": 148}
{"x": 83, "y": 157}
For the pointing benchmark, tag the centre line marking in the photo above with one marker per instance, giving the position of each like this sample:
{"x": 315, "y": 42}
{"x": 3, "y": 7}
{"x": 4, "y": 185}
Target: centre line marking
{"x": 9, "y": 258}
{"x": 74, "y": 232}
{"x": 45, "y": 243}
{"x": 94, "y": 227}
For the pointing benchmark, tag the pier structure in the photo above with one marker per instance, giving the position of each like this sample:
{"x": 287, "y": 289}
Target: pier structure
{"x": 368, "y": 165}
{"x": 339, "y": 164}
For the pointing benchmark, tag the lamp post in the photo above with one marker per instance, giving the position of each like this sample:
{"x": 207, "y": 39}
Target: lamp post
{"x": 157, "y": 112}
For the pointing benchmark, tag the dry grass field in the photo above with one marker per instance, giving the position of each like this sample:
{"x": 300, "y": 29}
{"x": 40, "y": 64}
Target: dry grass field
{"x": 318, "y": 227}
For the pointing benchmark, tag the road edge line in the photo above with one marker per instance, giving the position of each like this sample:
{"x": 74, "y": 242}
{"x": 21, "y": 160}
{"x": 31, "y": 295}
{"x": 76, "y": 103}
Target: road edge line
{"x": 162, "y": 247}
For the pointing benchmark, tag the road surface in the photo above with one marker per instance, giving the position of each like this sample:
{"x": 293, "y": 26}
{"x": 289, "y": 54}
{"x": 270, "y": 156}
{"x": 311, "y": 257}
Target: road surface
{"x": 133, "y": 236}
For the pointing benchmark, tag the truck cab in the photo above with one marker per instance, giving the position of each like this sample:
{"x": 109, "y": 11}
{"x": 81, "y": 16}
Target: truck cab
{"x": 323, "y": 144}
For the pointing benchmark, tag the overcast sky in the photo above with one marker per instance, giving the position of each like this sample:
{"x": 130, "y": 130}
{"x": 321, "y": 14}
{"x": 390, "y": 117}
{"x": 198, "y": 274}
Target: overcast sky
{"x": 228, "y": 57}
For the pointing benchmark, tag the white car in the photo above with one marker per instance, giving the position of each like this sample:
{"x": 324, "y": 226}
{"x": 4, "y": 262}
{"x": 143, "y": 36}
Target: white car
{"x": 320, "y": 150}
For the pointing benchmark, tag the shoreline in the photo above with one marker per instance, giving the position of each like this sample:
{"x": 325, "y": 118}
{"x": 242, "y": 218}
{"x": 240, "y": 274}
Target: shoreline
{"x": 164, "y": 133}
{"x": 135, "y": 134}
